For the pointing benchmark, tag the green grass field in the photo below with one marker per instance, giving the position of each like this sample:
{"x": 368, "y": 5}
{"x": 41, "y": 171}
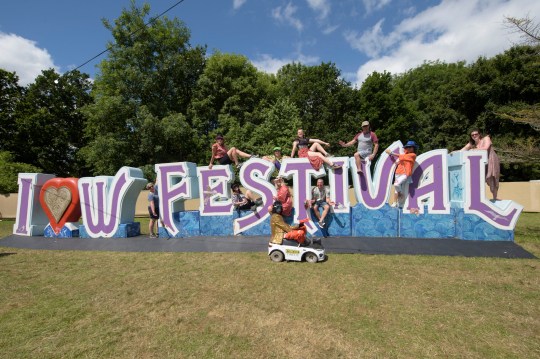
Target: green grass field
{"x": 71, "y": 304}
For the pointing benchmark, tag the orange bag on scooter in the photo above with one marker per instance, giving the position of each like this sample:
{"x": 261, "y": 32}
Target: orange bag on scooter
{"x": 299, "y": 234}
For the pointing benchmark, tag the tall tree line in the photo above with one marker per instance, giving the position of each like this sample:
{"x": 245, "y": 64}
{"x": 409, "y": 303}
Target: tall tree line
{"x": 157, "y": 98}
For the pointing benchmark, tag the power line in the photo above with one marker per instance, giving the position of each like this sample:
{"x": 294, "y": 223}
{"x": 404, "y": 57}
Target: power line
{"x": 131, "y": 34}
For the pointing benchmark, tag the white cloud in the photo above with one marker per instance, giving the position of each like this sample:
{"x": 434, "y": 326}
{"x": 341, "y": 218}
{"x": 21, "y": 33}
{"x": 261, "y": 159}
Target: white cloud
{"x": 372, "y": 5}
{"x": 22, "y": 56}
{"x": 322, "y": 7}
{"x": 330, "y": 29}
{"x": 238, "y": 3}
{"x": 271, "y": 65}
{"x": 454, "y": 30}
{"x": 286, "y": 15}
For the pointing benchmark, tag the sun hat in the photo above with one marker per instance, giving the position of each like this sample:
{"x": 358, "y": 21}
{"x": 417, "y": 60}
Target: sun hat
{"x": 365, "y": 123}
{"x": 277, "y": 148}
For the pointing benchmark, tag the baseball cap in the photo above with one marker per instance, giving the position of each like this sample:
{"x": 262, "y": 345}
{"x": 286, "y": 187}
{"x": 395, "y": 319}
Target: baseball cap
{"x": 365, "y": 123}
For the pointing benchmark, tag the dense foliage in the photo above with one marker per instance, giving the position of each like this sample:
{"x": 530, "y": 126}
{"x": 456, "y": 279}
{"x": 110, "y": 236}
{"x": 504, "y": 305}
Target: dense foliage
{"x": 159, "y": 99}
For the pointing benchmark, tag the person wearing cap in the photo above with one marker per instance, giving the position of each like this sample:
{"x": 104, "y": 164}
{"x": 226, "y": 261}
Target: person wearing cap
{"x": 368, "y": 145}
{"x": 284, "y": 196}
{"x": 404, "y": 169}
{"x": 276, "y": 159}
{"x": 314, "y": 152}
{"x": 224, "y": 155}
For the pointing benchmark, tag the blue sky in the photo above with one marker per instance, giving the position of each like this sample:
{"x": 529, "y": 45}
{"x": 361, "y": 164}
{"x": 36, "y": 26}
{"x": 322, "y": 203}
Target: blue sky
{"x": 359, "y": 36}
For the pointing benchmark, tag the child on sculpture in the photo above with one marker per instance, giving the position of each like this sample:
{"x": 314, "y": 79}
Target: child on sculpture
{"x": 403, "y": 170}
{"x": 368, "y": 145}
{"x": 315, "y": 153}
{"x": 224, "y": 155}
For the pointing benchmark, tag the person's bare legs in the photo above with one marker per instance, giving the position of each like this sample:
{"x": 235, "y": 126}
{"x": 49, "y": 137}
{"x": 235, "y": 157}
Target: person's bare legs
{"x": 357, "y": 159}
{"x": 253, "y": 198}
{"x": 317, "y": 147}
{"x": 232, "y": 155}
{"x": 239, "y": 153}
{"x": 151, "y": 225}
{"x": 326, "y": 208}
{"x": 316, "y": 211}
{"x": 325, "y": 159}
{"x": 493, "y": 187}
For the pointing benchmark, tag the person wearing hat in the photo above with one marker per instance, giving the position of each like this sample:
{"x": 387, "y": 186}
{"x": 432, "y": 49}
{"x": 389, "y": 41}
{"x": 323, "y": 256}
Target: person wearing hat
{"x": 368, "y": 145}
{"x": 403, "y": 170}
{"x": 276, "y": 159}
{"x": 283, "y": 196}
{"x": 224, "y": 155}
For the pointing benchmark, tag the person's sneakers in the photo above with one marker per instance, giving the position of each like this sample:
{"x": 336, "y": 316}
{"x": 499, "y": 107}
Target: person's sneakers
{"x": 239, "y": 166}
{"x": 393, "y": 205}
{"x": 254, "y": 156}
{"x": 335, "y": 167}
{"x": 258, "y": 202}
{"x": 328, "y": 154}
{"x": 360, "y": 171}
{"x": 321, "y": 224}
{"x": 152, "y": 235}
{"x": 254, "y": 208}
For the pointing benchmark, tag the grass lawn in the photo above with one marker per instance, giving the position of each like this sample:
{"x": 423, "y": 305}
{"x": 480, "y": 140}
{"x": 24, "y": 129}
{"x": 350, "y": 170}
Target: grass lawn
{"x": 63, "y": 304}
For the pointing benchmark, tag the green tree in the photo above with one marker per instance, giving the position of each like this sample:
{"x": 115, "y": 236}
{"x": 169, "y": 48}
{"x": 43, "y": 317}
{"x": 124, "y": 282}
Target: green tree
{"x": 49, "y": 122}
{"x": 327, "y": 103}
{"x": 434, "y": 94}
{"x": 281, "y": 121}
{"x": 226, "y": 100}
{"x": 11, "y": 95}
{"x": 145, "y": 84}
{"x": 9, "y": 172}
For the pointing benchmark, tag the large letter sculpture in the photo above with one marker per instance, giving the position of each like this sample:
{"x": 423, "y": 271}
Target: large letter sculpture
{"x": 31, "y": 219}
{"x": 108, "y": 201}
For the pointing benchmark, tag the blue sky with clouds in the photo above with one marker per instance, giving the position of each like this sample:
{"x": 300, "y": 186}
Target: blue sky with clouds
{"x": 359, "y": 36}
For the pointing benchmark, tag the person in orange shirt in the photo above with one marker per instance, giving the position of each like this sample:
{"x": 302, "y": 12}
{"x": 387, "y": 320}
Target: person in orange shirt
{"x": 404, "y": 169}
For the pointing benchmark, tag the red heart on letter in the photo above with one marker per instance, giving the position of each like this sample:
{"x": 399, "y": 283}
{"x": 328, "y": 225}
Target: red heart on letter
{"x": 59, "y": 198}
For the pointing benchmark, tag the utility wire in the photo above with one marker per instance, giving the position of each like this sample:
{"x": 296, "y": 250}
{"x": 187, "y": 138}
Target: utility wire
{"x": 131, "y": 34}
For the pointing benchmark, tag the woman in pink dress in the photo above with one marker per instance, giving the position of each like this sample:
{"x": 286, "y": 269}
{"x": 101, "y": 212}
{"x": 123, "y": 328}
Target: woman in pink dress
{"x": 314, "y": 152}
{"x": 493, "y": 171}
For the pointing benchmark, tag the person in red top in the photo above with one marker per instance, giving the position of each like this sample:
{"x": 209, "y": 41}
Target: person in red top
{"x": 283, "y": 196}
{"x": 404, "y": 169}
{"x": 311, "y": 148}
{"x": 224, "y": 155}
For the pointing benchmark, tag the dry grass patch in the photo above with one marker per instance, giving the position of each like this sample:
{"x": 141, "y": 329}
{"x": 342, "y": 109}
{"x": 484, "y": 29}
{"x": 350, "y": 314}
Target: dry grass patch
{"x": 62, "y": 304}
{"x": 217, "y": 305}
